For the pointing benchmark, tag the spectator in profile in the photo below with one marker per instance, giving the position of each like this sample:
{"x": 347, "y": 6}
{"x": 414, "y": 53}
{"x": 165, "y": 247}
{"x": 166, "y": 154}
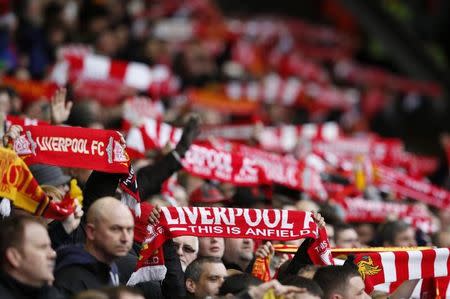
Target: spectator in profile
{"x": 345, "y": 236}
{"x": 204, "y": 277}
{"x": 340, "y": 282}
{"x": 442, "y": 239}
{"x": 27, "y": 259}
{"x": 109, "y": 235}
{"x": 397, "y": 233}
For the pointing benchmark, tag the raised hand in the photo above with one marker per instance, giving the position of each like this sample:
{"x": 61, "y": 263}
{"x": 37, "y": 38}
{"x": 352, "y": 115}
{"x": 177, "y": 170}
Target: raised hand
{"x": 265, "y": 250}
{"x": 190, "y": 131}
{"x": 153, "y": 218}
{"x": 12, "y": 134}
{"x": 319, "y": 219}
{"x": 59, "y": 107}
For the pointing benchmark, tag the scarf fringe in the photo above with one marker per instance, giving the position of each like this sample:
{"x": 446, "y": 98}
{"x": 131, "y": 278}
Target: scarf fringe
{"x": 5, "y": 207}
{"x": 149, "y": 273}
{"x": 132, "y": 203}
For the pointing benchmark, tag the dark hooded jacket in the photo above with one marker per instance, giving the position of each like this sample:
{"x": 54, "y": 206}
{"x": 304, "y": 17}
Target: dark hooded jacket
{"x": 13, "y": 289}
{"x": 76, "y": 270}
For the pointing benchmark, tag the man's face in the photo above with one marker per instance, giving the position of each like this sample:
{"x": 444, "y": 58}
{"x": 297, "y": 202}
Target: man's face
{"x": 127, "y": 295}
{"x": 347, "y": 238}
{"x": 211, "y": 247}
{"x": 405, "y": 238}
{"x": 211, "y": 280}
{"x": 443, "y": 239}
{"x": 330, "y": 234}
{"x": 5, "y": 105}
{"x": 237, "y": 250}
{"x": 113, "y": 235}
{"x": 355, "y": 289}
{"x": 187, "y": 249}
{"x": 38, "y": 256}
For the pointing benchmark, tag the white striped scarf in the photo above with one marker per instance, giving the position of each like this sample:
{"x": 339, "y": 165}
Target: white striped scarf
{"x": 397, "y": 266}
{"x": 281, "y": 138}
{"x": 157, "y": 79}
{"x": 290, "y": 92}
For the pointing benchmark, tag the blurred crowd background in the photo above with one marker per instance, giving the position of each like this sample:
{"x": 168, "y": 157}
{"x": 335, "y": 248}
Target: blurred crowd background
{"x": 340, "y": 86}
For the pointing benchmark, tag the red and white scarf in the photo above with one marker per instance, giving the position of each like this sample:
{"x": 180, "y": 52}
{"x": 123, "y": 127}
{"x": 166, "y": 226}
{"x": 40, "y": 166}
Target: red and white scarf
{"x": 286, "y": 171}
{"x": 230, "y": 162}
{"x": 397, "y": 266}
{"x": 100, "y": 150}
{"x": 411, "y": 187}
{"x": 157, "y": 80}
{"x": 23, "y": 121}
{"x": 363, "y": 210}
{"x": 221, "y": 222}
{"x": 318, "y": 251}
{"x": 137, "y": 109}
{"x": 291, "y": 92}
{"x": 371, "y": 76}
{"x": 73, "y": 147}
{"x": 282, "y": 138}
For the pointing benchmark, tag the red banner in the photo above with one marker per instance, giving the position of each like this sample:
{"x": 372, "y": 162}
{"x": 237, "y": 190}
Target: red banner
{"x": 228, "y": 223}
{"x": 410, "y": 187}
{"x": 23, "y": 121}
{"x": 73, "y": 147}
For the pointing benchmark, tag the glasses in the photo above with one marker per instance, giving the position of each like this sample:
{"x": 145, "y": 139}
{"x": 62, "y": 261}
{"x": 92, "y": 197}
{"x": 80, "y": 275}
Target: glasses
{"x": 185, "y": 248}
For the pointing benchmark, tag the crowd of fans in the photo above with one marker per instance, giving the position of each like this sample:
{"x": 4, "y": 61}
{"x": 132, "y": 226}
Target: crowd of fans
{"x": 93, "y": 252}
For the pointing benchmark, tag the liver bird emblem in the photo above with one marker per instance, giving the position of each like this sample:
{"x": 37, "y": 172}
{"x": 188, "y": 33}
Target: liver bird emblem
{"x": 366, "y": 267}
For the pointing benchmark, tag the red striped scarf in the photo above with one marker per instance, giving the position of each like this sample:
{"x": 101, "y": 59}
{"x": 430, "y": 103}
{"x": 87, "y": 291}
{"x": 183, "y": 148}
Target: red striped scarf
{"x": 363, "y": 210}
{"x": 158, "y": 80}
{"x": 292, "y": 92}
{"x": 279, "y": 139}
{"x": 397, "y": 266}
{"x": 371, "y": 76}
{"x": 230, "y": 162}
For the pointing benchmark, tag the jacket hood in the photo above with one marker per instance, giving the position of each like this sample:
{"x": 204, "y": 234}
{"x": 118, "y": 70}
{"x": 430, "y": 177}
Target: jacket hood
{"x": 73, "y": 255}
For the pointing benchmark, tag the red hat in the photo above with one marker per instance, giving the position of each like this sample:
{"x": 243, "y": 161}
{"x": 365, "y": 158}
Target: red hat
{"x": 206, "y": 194}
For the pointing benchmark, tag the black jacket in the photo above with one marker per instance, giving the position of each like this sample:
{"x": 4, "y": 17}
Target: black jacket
{"x": 12, "y": 289}
{"x": 172, "y": 287}
{"x": 150, "y": 178}
{"x": 76, "y": 270}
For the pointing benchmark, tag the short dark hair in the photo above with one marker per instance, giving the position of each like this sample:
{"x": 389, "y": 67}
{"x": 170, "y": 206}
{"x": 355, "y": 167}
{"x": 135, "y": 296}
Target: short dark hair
{"x": 310, "y": 285}
{"x": 194, "y": 270}
{"x": 390, "y": 229}
{"x": 12, "y": 230}
{"x": 237, "y": 283}
{"x": 334, "y": 278}
{"x": 302, "y": 269}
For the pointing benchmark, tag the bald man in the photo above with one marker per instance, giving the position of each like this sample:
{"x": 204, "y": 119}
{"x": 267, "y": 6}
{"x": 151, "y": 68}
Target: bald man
{"x": 109, "y": 235}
